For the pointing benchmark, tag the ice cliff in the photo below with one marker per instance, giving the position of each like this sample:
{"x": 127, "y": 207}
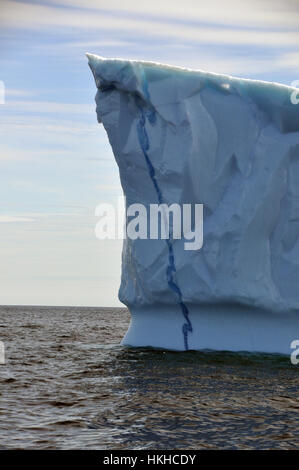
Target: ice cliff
{"x": 186, "y": 137}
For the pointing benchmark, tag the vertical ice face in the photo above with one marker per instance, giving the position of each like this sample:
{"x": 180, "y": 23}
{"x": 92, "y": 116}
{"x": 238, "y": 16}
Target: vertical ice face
{"x": 150, "y": 115}
{"x": 186, "y": 137}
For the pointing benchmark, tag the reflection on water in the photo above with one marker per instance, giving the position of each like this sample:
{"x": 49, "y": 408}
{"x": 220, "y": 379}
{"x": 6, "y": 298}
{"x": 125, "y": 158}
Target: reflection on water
{"x": 68, "y": 384}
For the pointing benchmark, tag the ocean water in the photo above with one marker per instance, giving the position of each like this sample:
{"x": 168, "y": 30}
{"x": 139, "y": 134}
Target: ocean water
{"x": 68, "y": 384}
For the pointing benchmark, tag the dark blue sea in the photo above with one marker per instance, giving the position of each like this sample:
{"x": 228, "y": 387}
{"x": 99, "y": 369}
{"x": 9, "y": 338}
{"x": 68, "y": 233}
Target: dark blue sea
{"x": 68, "y": 384}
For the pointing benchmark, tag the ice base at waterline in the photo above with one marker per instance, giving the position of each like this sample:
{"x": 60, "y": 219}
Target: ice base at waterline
{"x": 217, "y": 327}
{"x": 186, "y": 137}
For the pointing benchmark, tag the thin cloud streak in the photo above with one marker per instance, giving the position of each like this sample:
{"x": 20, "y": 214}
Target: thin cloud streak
{"x": 8, "y": 219}
{"x": 50, "y": 107}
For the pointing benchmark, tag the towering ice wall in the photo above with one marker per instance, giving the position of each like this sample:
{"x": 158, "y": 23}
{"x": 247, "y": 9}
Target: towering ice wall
{"x": 190, "y": 137}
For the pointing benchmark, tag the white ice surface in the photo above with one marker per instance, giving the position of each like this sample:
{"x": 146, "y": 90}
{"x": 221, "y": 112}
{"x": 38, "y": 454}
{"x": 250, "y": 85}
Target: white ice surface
{"x": 233, "y": 145}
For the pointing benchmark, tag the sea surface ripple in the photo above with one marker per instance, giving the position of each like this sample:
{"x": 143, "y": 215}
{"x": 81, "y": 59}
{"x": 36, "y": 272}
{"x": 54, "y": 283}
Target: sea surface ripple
{"x": 68, "y": 384}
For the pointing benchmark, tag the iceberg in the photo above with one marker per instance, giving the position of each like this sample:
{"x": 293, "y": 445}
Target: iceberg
{"x": 183, "y": 136}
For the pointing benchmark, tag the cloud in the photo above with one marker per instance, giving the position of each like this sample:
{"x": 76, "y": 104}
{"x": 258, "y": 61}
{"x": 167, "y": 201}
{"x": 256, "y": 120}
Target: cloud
{"x": 50, "y": 107}
{"x": 16, "y": 92}
{"x": 8, "y": 219}
{"x": 289, "y": 60}
{"x": 36, "y": 16}
{"x": 254, "y": 13}
{"x": 11, "y": 154}
{"x": 109, "y": 187}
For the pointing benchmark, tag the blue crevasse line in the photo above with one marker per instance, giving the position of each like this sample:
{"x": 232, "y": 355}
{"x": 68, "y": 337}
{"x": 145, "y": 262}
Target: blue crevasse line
{"x": 171, "y": 269}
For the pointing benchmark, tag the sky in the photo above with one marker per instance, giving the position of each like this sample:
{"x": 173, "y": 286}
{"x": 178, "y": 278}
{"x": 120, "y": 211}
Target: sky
{"x": 56, "y": 162}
